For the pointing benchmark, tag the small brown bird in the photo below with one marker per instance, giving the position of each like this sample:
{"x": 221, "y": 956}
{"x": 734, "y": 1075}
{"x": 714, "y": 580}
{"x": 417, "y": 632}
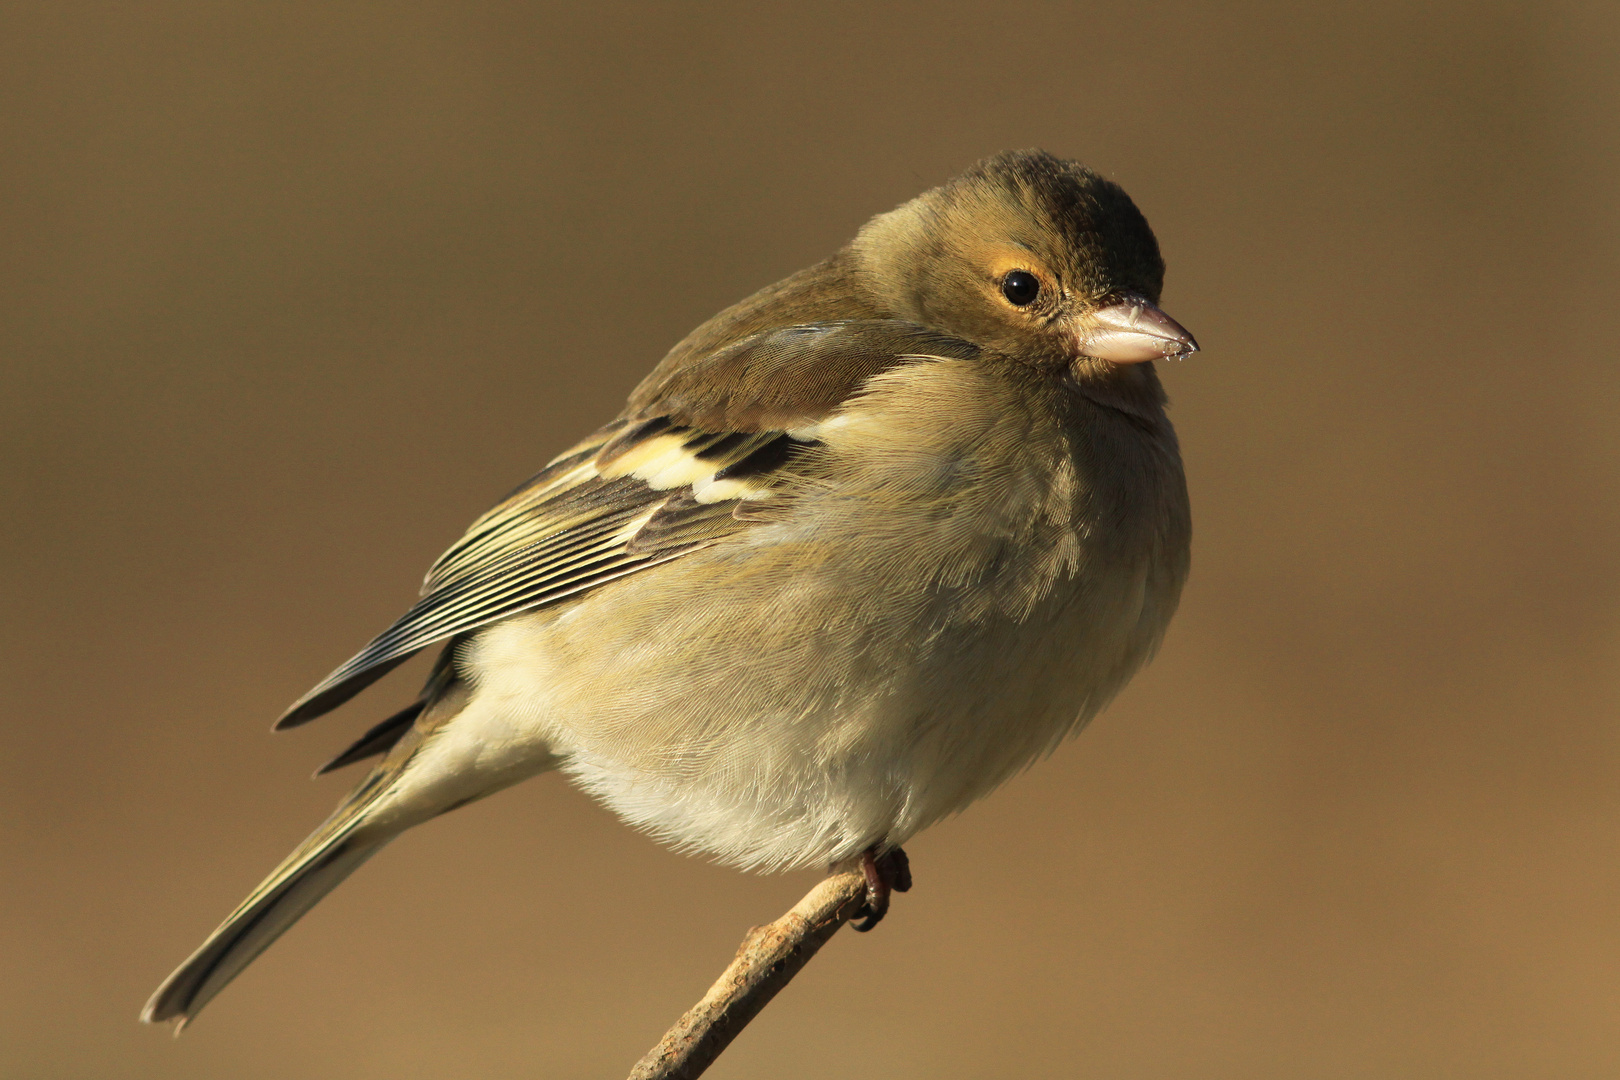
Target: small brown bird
{"x": 860, "y": 548}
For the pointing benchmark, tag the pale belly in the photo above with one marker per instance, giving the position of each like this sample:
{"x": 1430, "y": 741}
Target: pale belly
{"x": 949, "y": 602}
{"x": 759, "y": 715}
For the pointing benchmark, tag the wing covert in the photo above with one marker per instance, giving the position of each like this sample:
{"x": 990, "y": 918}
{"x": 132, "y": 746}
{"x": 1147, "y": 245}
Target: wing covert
{"x": 673, "y": 474}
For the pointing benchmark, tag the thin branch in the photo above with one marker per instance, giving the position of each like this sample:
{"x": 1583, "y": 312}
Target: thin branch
{"x": 767, "y": 961}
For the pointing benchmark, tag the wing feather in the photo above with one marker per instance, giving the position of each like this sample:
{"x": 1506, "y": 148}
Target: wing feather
{"x": 701, "y": 450}
{"x": 578, "y": 524}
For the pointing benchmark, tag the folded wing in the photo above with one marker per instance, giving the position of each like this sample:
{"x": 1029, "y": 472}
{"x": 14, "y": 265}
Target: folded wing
{"x": 678, "y": 471}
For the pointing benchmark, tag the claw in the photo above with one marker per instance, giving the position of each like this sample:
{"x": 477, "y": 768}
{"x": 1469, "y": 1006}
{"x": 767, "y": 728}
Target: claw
{"x": 886, "y": 873}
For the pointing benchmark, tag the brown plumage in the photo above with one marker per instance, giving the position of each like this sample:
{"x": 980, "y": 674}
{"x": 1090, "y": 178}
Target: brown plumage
{"x": 857, "y": 550}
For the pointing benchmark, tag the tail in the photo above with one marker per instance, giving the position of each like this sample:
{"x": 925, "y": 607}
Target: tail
{"x": 315, "y": 868}
{"x": 403, "y": 790}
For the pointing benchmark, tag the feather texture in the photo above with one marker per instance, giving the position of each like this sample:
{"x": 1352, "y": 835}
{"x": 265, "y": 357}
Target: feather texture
{"x": 859, "y": 548}
{"x": 670, "y": 476}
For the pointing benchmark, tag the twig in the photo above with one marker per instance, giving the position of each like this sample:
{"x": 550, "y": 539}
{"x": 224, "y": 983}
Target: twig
{"x": 767, "y": 961}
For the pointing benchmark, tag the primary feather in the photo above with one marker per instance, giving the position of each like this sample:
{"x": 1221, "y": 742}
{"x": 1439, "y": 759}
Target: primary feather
{"x": 858, "y": 549}
{"x": 653, "y": 485}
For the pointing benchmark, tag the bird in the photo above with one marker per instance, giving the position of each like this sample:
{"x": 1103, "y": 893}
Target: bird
{"x": 859, "y": 549}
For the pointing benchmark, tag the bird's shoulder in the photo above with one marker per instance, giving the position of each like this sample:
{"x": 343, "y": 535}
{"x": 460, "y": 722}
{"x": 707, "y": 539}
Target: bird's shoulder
{"x": 701, "y": 451}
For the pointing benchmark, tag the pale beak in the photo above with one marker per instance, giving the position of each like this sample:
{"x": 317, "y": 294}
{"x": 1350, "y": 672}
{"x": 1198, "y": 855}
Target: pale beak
{"x": 1131, "y": 330}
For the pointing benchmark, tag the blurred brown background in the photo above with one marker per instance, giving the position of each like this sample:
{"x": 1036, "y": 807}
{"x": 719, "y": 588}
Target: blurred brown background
{"x": 292, "y": 291}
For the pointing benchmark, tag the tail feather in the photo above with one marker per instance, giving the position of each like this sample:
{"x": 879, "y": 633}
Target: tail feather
{"x": 317, "y": 867}
{"x": 373, "y": 814}
{"x": 379, "y": 739}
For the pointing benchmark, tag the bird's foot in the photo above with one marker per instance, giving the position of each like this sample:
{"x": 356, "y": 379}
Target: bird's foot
{"x": 885, "y": 873}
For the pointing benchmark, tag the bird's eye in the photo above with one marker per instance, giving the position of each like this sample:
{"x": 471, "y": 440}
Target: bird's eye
{"x": 1020, "y": 287}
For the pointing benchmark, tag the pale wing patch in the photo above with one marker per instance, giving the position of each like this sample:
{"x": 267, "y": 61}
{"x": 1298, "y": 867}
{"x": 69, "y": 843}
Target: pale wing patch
{"x": 697, "y": 460}
{"x": 711, "y": 490}
{"x": 706, "y": 456}
{"x": 626, "y": 499}
{"x": 657, "y": 457}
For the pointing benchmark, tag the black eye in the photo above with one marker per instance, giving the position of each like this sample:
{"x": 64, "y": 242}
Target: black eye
{"x": 1020, "y": 287}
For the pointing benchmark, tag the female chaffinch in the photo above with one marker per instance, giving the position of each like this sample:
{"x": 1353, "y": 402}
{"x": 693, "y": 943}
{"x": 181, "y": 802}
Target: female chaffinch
{"x": 860, "y": 548}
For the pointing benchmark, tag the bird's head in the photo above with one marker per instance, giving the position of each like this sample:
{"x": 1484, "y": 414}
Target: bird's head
{"x": 1032, "y": 256}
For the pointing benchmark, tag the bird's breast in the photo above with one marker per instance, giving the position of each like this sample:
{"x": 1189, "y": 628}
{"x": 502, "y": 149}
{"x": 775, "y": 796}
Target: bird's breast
{"x": 954, "y": 589}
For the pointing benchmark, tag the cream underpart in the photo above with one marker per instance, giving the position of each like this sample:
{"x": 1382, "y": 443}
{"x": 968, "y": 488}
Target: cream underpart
{"x": 893, "y": 648}
{"x": 485, "y": 748}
